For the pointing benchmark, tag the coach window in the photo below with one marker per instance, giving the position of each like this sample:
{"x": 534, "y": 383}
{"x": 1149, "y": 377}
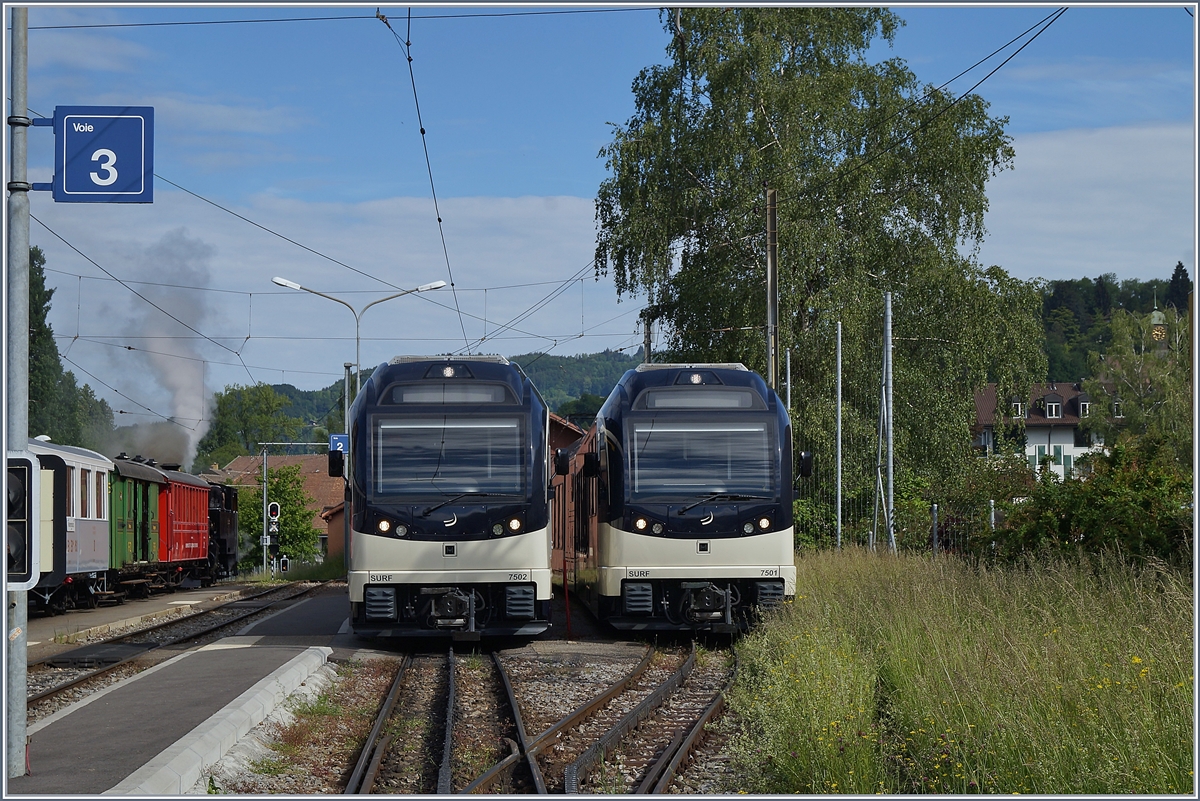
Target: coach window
{"x": 101, "y": 486}
{"x": 70, "y": 492}
{"x": 84, "y": 477}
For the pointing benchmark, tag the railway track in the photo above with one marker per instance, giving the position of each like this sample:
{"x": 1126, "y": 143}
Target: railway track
{"x": 51, "y": 677}
{"x": 463, "y": 724}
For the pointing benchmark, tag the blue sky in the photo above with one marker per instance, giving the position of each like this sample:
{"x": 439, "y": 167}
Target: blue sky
{"x": 310, "y": 130}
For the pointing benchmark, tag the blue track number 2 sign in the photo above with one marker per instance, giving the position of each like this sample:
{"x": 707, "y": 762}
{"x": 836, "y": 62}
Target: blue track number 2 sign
{"x": 104, "y": 154}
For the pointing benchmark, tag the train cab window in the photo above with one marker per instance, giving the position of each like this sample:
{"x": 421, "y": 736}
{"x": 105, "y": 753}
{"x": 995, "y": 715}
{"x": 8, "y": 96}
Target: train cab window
{"x": 85, "y": 476}
{"x": 696, "y": 458}
{"x": 70, "y": 491}
{"x": 101, "y": 494}
{"x": 448, "y": 454}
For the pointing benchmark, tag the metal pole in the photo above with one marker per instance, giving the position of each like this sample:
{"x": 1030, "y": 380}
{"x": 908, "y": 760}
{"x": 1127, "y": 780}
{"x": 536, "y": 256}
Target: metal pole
{"x": 346, "y": 399}
{"x": 789, "y": 381}
{"x": 646, "y": 341}
{"x": 345, "y": 487}
{"x": 772, "y": 293}
{"x": 935, "y": 531}
{"x": 17, "y": 384}
{"x": 839, "y": 435}
{"x": 264, "y": 537}
{"x": 891, "y": 493}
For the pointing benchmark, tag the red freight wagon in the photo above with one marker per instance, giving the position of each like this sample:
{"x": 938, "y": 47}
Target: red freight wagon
{"x": 183, "y": 516}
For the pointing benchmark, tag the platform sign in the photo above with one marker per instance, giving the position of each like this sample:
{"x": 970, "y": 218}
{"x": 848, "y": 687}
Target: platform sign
{"x": 339, "y": 442}
{"x": 103, "y": 154}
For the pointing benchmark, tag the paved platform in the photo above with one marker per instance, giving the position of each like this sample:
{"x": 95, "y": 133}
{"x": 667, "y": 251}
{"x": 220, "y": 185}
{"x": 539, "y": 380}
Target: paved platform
{"x": 155, "y": 732}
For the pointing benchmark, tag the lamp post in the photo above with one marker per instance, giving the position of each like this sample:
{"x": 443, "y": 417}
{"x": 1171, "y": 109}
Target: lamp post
{"x": 357, "y": 314}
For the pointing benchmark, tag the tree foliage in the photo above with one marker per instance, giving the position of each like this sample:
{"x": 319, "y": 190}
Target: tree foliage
{"x": 244, "y": 417}
{"x": 58, "y": 407}
{"x": 298, "y": 537}
{"x": 1136, "y": 499}
{"x": 1150, "y": 379}
{"x": 879, "y": 180}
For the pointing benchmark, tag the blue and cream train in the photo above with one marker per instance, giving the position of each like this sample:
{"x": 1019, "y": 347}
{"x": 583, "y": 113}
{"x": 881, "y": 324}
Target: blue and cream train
{"x": 448, "y": 481}
{"x": 127, "y": 527}
{"x": 678, "y": 501}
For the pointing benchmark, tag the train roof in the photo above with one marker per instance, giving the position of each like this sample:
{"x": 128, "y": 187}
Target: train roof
{"x": 127, "y": 468}
{"x": 641, "y": 368}
{"x": 719, "y": 374}
{"x": 478, "y": 358}
{"x": 46, "y": 447}
{"x": 185, "y": 478}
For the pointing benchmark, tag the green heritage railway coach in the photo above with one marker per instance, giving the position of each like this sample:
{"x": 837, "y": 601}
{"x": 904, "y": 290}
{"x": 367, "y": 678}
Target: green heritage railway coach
{"x": 448, "y": 482}
{"x": 128, "y": 527}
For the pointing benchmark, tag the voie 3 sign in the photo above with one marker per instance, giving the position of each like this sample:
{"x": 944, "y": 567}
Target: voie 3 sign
{"x": 103, "y": 154}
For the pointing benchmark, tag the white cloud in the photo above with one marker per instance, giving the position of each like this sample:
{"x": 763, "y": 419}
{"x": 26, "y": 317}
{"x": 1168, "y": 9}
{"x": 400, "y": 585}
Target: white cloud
{"x": 1092, "y": 201}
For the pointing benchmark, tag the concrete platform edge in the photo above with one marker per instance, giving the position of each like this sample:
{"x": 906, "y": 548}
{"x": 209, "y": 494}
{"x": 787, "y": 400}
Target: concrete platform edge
{"x": 176, "y": 769}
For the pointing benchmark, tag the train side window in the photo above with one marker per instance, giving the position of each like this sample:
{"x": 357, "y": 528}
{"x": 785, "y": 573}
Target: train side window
{"x": 101, "y": 486}
{"x": 70, "y": 491}
{"x": 85, "y": 476}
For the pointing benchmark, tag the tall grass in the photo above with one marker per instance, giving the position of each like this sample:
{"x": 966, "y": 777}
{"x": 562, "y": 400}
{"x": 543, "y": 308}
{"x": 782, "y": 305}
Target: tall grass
{"x": 925, "y": 674}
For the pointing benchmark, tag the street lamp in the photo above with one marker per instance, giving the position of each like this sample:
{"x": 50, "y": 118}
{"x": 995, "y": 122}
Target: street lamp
{"x": 357, "y": 314}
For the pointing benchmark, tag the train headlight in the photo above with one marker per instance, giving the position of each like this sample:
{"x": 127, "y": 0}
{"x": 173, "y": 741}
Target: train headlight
{"x": 657, "y": 528}
{"x": 641, "y": 524}
{"x": 748, "y": 528}
{"x": 384, "y": 526}
{"x": 497, "y": 530}
{"x": 764, "y": 523}
{"x": 514, "y": 524}
{"x": 401, "y": 530}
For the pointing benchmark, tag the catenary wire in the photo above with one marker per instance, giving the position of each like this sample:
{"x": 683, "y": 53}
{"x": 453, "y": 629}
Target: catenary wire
{"x": 406, "y": 46}
{"x": 140, "y": 295}
{"x": 335, "y": 19}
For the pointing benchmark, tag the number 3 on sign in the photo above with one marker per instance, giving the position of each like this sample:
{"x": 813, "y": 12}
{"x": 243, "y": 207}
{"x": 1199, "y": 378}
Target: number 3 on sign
{"x": 107, "y": 159}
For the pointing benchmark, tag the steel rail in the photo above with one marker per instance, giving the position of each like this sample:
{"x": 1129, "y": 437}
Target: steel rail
{"x": 445, "y": 773}
{"x": 519, "y": 749}
{"x": 174, "y": 621}
{"x": 662, "y": 772}
{"x": 194, "y": 635}
{"x": 366, "y": 769}
{"x": 577, "y": 770}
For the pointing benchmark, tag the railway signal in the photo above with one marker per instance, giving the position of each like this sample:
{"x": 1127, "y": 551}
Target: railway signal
{"x": 273, "y": 528}
{"x": 23, "y": 517}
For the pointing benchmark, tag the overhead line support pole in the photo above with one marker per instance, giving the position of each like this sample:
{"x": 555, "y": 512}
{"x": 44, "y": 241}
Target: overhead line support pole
{"x": 17, "y": 378}
{"x": 772, "y": 293}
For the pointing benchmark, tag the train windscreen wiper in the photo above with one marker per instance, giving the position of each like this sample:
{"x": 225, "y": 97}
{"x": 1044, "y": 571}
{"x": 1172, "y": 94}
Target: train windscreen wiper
{"x": 725, "y": 496}
{"x": 459, "y": 496}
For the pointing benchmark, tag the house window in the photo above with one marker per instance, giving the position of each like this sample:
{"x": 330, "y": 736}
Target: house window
{"x": 1058, "y": 454}
{"x": 1068, "y": 465}
{"x": 1018, "y": 409}
{"x": 1084, "y": 408}
{"x": 1053, "y": 409}
{"x": 1117, "y": 409}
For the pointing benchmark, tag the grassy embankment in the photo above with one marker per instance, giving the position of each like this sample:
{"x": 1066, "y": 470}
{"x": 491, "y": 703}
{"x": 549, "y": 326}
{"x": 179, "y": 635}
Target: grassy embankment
{"x": 915, "y": 674}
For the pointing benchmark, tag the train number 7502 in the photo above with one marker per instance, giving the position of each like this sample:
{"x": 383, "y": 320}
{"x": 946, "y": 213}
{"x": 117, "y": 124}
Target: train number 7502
{"x": 518, "y": 577}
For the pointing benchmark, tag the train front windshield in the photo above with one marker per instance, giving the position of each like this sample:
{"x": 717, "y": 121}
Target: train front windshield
{"x": 681, "y": 459}
{"x": 448, "y": 454}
